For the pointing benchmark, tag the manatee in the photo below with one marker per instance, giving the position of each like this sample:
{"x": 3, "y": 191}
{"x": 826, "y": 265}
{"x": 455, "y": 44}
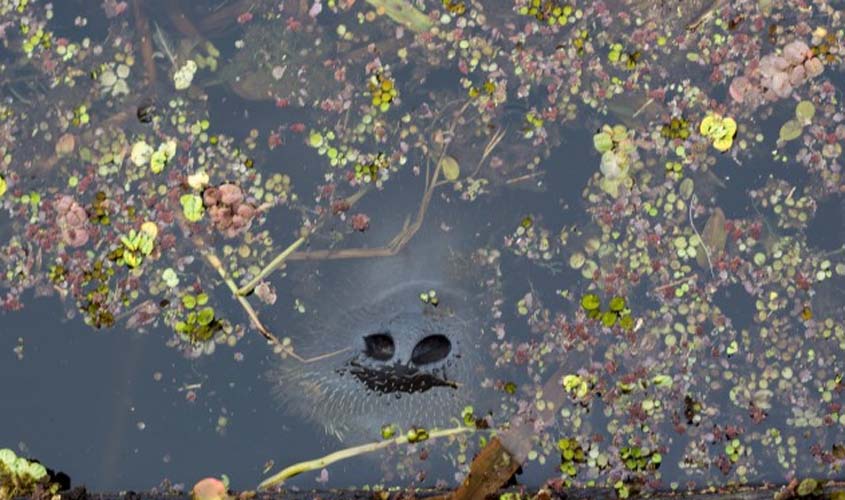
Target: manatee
{"x": 406, "y": 362}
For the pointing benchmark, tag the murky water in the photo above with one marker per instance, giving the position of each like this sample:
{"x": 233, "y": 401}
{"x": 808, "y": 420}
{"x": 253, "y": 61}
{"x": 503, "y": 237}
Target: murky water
{"x": 240, "y": 235}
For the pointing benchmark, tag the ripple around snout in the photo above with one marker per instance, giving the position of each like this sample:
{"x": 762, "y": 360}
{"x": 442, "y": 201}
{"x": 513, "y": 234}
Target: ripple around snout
{"x": 408, "y": 363}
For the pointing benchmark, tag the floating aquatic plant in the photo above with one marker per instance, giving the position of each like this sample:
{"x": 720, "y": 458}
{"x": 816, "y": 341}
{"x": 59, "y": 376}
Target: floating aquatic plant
{"x": 617, "y": 153}
{"x": 192, "y": 207}
{"x": 430, "y": 297}
{"x": 382, "y": 90}
{"x": 617, "y": 311}
{"x": 185, "y": 75}
{"x": 20, "y": 477}
{"x": 571, "y": 456}
{"x": 576, "y": 385}
{"x": 200, "y": 323}
{"x": 416, "y": 435}
{"x": 720, "y": 130}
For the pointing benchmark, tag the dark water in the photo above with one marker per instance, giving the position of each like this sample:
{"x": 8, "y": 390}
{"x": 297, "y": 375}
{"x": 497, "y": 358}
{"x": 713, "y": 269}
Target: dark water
{"x": 751, "y": 349}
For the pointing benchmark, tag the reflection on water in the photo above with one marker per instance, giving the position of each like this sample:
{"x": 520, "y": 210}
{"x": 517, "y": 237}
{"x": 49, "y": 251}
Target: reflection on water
{"x": 269, "y": 230}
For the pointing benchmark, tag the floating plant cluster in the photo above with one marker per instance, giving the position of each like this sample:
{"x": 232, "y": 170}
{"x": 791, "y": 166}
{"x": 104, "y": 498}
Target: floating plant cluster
{"x": 716, "y": 138}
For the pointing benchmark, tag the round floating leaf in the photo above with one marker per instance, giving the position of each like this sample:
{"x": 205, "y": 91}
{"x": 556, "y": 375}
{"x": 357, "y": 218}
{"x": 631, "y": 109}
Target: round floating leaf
{"x": 170, "y": 278}
{"x": 451, "y": 169}
{"x": 807, "y": 487}
{"x": 205, "y": 316}
{"x": 36, "y": 471}
{"x": 315, "y": 139}
{"x": 617, "y": 304}
{"x": 590, "y": 302}
{"x": 608, "y": 319}
{"x": 189, "y": 301}
{"x": 790, "y": 130}
{"x": 602, "y": 142}
{"x": 192, "y": 207}
{"x": 687, "y": 187}
{"x": 805, "y": 111}
{"x": 626, "y": 322}
{"x": 7, "y": 457}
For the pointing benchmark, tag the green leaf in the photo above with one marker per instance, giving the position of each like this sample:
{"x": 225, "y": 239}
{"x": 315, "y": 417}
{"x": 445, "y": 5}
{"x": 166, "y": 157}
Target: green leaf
{"x": 202, "y": 299}
{"x": 131, "y": 259}
{"x": 189, "y": 301}
{"x": 205, "y": 316}
{"x": 157, "y": 161}
{"x": 36, "y": 471}
{"x": 146, "y": 246}
{"x": 450, "y": 167}
{"x": 315, "y": 139}
{"x": 404, "y": 13}
{"x": 7, "y": 456}
{"x": 192, "y": 207}
{"x": 617, "y": 304}
{"x": 608, "y": 319}
{"x": 602, "y": 142}
{"x": 807, "y": 487}
{"x": 662, "y": 381}
{"x": 790, "y": 130}
{"x": 804, "y": 112}
{"x": 590, "y": 302}
{"x": 170, "y": 278}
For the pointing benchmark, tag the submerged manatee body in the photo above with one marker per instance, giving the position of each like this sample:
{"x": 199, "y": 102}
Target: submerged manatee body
{"x": 407, "y": 362}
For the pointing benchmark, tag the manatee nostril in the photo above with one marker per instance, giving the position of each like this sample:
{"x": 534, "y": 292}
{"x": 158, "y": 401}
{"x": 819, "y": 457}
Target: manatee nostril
{"x": 379, "y": 346}
{"x": 431, "y": 349}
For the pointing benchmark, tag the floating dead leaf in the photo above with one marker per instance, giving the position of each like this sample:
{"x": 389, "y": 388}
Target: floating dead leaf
{"x": 450, "y": 167}
{"x": 714, "y": 237}
{"x": 65, "y": 144}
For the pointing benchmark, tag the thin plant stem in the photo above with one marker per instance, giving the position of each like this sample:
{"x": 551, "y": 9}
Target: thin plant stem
{"x": 676, "y": 282}
{"x": 309, "y": 465}
{"x": 408, "y": 230}
{"x": 212, "y": 259}
{"x": 693, "y": 201}
{"x": 269, "y": 268}
{"x": 290, "y": 252}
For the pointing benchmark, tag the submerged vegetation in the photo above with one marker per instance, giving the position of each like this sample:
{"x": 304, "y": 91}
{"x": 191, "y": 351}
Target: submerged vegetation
{"x": 689, "y": 330}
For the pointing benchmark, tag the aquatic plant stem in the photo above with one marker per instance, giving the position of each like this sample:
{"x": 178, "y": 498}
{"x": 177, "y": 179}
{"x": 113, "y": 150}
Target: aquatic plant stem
{"x": 269, "y": 268}
{"x": 288, "y": 472}
{"x": 290, "y": 251}
{"x": 679, "y": 281}
{"x": 704, "y": 16}
{"x": 212, "y": 259}
{"x": 401, "y": 238}
{"x": 693, "y": 201}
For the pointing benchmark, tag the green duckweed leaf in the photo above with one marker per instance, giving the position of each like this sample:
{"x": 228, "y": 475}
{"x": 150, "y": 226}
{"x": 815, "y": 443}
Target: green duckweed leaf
{"x": 590, "y": 302}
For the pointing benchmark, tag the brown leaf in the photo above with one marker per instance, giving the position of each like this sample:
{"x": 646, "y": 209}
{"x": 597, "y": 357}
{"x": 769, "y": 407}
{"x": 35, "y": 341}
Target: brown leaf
{"x": 714, "y": 236}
